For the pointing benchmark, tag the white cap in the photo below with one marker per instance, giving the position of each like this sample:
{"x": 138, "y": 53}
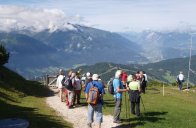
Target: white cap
{"x": 118, "y": 73}
{"x": 88, "y": 74}
{"x": 95, "y": 77}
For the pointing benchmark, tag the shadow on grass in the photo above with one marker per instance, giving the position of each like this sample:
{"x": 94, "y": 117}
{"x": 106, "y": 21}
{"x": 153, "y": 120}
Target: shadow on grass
{"x": 13, "y": 82}
{"x": 140, "y": 121}
{"x": 8, "y": 98}
{"x": 35, "y": 119}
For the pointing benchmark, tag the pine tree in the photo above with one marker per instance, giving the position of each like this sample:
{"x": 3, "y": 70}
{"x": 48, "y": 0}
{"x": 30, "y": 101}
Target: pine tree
{"x": 4, "y": 55}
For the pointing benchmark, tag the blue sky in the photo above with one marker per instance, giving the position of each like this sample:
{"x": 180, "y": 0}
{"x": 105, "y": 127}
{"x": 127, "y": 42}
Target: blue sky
{"x": 111, "y": 15}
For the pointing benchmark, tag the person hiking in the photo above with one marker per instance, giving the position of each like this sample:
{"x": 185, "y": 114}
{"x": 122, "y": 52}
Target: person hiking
{"x": 134, "y": 95}
{"x": 87, "y": 80}
{"x": 118, "y": 90}
{"x": 59, "y": 84}
{"x": 124, "y": 78}
{"x": 69, "y": 87}
{"x": 97, "y": 108}
{"x": 180, "y": 80}
{"x": 142, "y": 82}
{"x": 77, "y": 89}
{"x": 146, "y": 79}
{"x": 138, "y": 76}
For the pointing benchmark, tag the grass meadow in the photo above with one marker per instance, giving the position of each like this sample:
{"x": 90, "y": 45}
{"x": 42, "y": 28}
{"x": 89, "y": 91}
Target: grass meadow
{"x": 26, "y": 99}
{"x": 176, "y": 109}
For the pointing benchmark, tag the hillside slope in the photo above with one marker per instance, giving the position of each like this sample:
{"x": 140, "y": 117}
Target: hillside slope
{"x": 26, "y": 99}
{"x": 166, "y": 70}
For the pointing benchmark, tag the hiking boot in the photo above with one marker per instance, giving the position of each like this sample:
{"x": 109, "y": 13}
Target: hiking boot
{"x": 117, "y": 121}
{"x": 70, "y": 107}
{"x": 89, "y": 125}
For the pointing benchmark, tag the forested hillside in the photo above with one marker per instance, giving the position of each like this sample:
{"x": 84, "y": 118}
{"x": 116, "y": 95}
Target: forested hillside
{"x": 166, "y": 70}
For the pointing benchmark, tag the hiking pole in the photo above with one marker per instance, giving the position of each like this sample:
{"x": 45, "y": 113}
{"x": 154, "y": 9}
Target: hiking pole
{"x": 126, "y": 105}
{"x": 142, "y": 103}
{"x": 129, "y": 109}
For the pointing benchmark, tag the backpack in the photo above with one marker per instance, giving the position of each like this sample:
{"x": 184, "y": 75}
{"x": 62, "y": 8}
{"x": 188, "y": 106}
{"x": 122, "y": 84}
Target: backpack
{"x": 111, "y": 87}
{"x": 67, "y": 83}
{"x": 93, "y": 95}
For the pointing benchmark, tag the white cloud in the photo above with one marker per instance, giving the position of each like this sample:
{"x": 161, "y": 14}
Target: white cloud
{"x": 112, "y": 15}
{"x": 18, "y": 17}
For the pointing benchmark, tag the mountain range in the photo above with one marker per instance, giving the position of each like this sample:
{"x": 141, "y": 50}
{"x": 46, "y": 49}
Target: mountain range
{"x": 157, "y": 46}
{"x": 37, "y": 53}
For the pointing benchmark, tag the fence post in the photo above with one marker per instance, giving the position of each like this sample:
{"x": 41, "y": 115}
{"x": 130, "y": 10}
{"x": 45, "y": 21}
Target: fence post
{"x": 47, "y": 79}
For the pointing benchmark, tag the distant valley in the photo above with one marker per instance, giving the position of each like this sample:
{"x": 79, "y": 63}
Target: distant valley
{"x": 34, "y": 54}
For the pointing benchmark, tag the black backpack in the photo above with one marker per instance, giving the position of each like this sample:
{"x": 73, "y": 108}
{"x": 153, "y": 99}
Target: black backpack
{"x": 111, "y": 87}
{"x": 67, "y": 83}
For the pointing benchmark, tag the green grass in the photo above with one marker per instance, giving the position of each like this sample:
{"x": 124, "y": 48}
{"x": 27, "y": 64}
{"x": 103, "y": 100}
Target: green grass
{"x": 173, "y": 110}
{"x": 26, "y": 99}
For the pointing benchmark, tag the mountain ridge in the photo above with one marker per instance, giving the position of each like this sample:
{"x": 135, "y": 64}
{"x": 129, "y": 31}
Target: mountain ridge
{"x": 39, "y": 53}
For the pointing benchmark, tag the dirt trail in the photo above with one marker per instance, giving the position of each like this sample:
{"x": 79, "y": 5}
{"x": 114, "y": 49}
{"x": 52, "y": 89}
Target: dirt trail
{"x": 77, "y": 115}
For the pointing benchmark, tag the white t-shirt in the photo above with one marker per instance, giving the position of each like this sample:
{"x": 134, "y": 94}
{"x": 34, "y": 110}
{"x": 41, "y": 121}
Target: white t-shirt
{"x": 146, "y": 78}
{"x": 78, "y": 85}
{"x": 181, "y": 77}
{"x": 58, "y": 82}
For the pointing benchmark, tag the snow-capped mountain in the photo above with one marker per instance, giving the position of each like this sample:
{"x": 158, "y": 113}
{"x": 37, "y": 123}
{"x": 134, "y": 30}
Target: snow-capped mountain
{"x": 159, "y": 46}
{"x": 40, "y": 52}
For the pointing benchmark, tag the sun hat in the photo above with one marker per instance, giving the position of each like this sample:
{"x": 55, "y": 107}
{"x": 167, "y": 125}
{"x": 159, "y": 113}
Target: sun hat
{"x": 95, "y": 77}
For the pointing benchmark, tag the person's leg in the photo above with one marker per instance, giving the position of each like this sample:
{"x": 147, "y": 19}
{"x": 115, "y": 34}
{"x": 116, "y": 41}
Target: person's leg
{"x": 61, "y": 94}
{"x": 180, "y": 85}
{"x": 66, "y": 97}
{"x": 137, "y": 109}
{"x": 78, "y": 96}
{"x": 71, "y": 98}
{"x": 133, "y": 108}
{"x": 117, "y": 109}
{"x": 74, "y": 97}
{"x": 90, "y": 115}
{"x": 137, "y": 103}
{"x": 143, "y": 88}
{"x": 99, "y": 114}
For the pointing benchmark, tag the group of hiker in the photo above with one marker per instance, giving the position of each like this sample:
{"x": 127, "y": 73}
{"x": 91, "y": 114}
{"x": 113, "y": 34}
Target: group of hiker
{"x": 70, "y": 87}
{"x": 71, "y": 93}
{"x": 134, "y": 84}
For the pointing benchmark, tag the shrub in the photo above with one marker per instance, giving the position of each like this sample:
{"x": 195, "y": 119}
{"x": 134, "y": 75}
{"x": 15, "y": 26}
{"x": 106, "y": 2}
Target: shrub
{"x": 4, "y": 55}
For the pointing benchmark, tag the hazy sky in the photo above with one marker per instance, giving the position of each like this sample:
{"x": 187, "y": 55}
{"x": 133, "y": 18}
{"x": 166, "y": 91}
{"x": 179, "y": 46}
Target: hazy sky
{"x": 112, "y": 15}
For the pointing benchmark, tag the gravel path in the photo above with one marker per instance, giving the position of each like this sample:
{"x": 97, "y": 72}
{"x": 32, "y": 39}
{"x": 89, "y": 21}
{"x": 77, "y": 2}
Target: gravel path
{"x": 78, "y": 115}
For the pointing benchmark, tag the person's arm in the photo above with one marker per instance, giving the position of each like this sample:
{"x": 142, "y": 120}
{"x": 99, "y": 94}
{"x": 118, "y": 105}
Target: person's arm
{"x": 139, "y": 88}
{"x": 118, "y": 89}
{"x": 87, "y": 90}
{"x": 128, "y": 87}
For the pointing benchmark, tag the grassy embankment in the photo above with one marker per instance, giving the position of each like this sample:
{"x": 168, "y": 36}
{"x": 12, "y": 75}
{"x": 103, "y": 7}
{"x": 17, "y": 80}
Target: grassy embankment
{"x": 176, "y": 109}
{"x": 26, "y": 99}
